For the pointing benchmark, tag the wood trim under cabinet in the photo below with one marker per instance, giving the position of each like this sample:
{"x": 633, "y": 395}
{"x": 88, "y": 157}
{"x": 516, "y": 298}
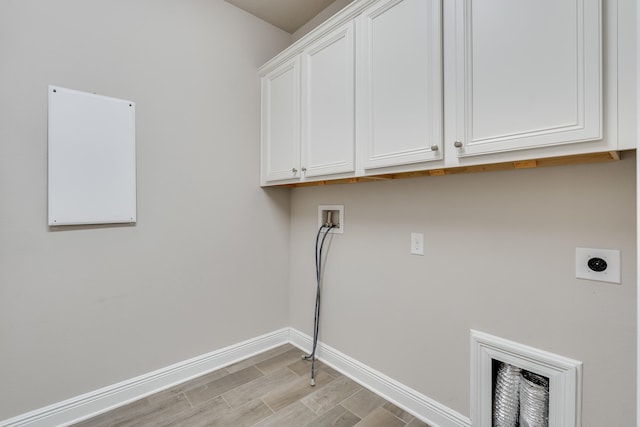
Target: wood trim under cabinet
{"x": 579, "y": 159}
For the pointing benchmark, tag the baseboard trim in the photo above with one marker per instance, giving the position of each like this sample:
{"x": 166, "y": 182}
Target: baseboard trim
{"x": 419, "y": 405}
{"x": 94, "y": 403}
{"x": 91, "y": 404}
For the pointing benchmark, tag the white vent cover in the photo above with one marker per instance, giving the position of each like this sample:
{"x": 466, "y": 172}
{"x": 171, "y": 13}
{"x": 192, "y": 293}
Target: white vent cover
{"x": 565, "y": 378}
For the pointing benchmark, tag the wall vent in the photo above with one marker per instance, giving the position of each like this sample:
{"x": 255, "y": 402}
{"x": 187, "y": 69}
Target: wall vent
{"x": 563, "y": 375}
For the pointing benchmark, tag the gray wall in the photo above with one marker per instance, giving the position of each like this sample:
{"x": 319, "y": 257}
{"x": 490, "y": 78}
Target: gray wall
{"x": 205, "y": 266}
{"x": 499, "y": 258}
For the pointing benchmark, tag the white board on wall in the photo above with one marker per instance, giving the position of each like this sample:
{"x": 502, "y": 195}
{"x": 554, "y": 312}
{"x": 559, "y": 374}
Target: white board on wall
{"x": 92, "y": 158}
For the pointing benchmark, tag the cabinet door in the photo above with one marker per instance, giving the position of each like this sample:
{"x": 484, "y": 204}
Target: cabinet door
{"x": 527, "y": 74}
{"x": 400, "y": 92}
{"x": 328, "y": 98}
{"x": 280, "y": 139}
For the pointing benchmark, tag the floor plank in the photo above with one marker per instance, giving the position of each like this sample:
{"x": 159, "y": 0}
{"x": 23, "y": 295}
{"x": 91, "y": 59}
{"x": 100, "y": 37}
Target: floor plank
{"x": 295, "y": 390}
{"x": 280, "y": 361}
{"x": 245, "y": 416}
{"x": 363, "y": 403}
{"x": 325, "y": 398}
{"x": 295, "y": 414}
{"x": 380, "y": 417}
{"x": 259, "y": 387}
{"x": 339, "y": 416}
{"x": 216, "y": 388}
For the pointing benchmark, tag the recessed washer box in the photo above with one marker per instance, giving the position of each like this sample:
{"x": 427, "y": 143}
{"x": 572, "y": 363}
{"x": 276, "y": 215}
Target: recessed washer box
{"x": 336, "y": 213}
{"x": 598, "y": 264}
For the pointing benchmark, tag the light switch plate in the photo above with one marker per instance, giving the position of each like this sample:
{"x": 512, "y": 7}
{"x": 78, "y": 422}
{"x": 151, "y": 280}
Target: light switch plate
{"x": 417, "y": 243}
{"x": 598, "y": 264}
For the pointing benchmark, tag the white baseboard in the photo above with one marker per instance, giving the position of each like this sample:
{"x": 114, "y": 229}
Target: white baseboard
{"x": 102, "y": 400}
{"x": 105, "y": 399}
{"x": 419, "y": 405}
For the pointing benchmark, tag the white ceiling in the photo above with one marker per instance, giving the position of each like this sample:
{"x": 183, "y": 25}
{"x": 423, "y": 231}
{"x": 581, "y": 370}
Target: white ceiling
{"x": 288, "y": 15}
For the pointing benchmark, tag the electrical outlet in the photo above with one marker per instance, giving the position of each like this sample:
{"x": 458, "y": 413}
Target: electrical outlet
{"x": 333, "y": 214}
{"x": 417, "y": 244}
{"x": 602, "y": 265}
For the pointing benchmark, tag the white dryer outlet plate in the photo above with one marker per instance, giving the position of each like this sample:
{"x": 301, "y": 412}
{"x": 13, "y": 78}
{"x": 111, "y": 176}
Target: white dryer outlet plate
{"x": 602, "y": 265}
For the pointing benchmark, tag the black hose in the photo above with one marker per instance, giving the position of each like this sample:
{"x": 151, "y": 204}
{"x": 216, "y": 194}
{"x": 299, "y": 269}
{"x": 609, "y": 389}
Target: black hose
{"x": 316, "y": 316}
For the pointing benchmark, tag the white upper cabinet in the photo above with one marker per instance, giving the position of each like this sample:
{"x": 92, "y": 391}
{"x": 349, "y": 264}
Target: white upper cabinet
{"x": 328, "y": 104}
{"x": 280, "y": 127}
{"x": 389, "y": 87}
{"x": 399, "y": 108}
{"x": 308, "y": 111}
{"x": 526, "y": 74}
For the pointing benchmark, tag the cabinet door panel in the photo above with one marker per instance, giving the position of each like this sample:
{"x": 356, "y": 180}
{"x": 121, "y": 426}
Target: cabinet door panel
{"x": 528, "y": 74}
{"x": 400, "y": 119}
{"x": 281, "y": 122}
{"x": 328, "y": 98}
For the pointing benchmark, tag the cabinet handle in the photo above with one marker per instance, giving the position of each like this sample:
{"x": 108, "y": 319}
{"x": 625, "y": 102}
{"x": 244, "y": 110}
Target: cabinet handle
{"x": 457, "y": 144}
{"x": 434, "y": 147}
{"x": 294, "y": 170}
{"x": 304, "y": 169}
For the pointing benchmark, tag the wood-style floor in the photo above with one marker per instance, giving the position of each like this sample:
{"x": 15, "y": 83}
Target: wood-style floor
{"x": 270, "y": 389}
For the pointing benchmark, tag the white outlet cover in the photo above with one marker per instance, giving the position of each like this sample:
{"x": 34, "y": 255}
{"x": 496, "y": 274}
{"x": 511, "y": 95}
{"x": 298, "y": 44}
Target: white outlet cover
{"x": 612, "y": 258}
